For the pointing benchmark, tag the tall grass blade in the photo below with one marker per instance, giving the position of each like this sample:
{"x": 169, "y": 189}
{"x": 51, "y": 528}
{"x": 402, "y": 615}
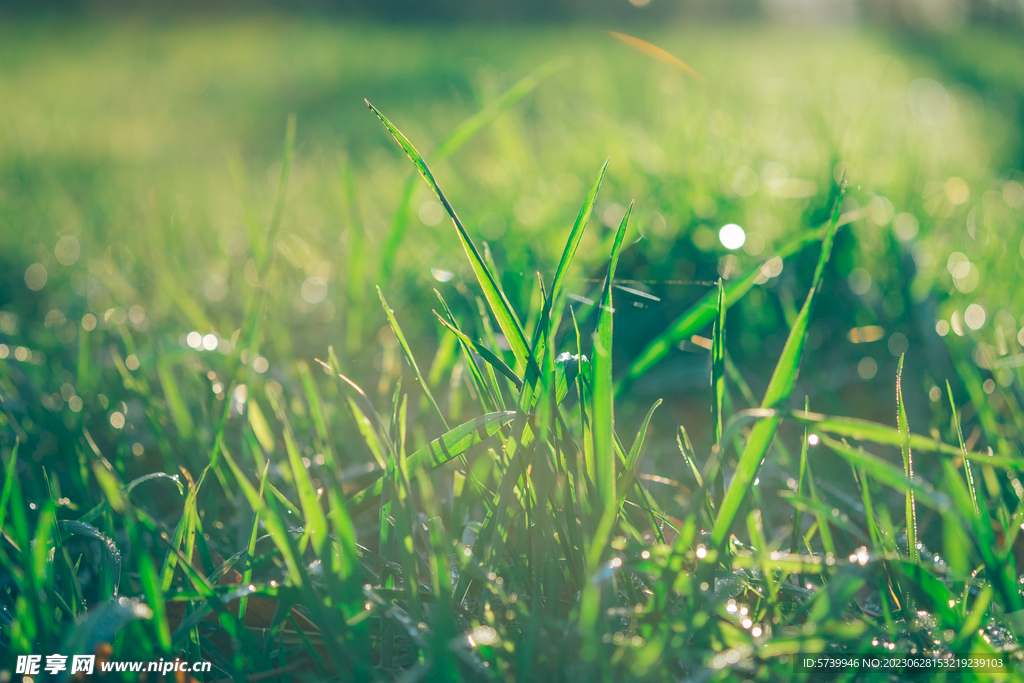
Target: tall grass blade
{"x": 603, "y": 429}
{"x": 779, "y": 388}
{"x": 963, "y": 448}
{"x": 908, "y": 466}
{"x": 718, "y": 382}
{"x": 602, "y": 406}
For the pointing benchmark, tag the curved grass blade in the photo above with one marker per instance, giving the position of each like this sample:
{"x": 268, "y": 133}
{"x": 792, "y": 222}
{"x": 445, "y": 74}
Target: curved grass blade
{"x": 440, "y": 451}
{"x": 499, "y": 305}
{"x": 111, "y": 554}
{"x": 865, "y": 430}
{"x": 484, "y": 353}
{"x": 779, "y": 389}
{"x": 887, "y": 473}
{"x": 98, "y": 510}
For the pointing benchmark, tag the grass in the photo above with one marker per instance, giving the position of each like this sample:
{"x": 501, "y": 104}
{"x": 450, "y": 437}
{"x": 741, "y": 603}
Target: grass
{"x": 333, "y": 488}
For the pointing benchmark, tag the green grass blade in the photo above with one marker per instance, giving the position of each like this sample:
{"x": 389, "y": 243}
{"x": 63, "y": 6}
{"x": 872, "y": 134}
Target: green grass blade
{"x": 908, "y": 465}
{"x": 499, "y": 305}
{"x": 266, "y": 246}
{"x": 369, "y": 434}
{"x": 260, "y": 427}
{"x": 702, "y": 313}
{"x": 9, "y": 483}
{"x": 718, "y": 366}
{"x": 250, "y": 549}
{"x": 273, "y": 522}
{"x": 779, "y": 389}
{"x": 484, "y": 353}
{"x": 718, "y": 384}
{"x": 963, "y": 448}
{"x": 864, "y": 430}
{"x": 633, "y": 458}
{"x": 462, "y": 134}
{"x": 888, "y": 474}
{"x": 441, "y": 450}
{"x": 602, "y": 407}
{"x": 172, "y": 393}
{"x": 312, "y": 513}
{"x": 409, "y": 356}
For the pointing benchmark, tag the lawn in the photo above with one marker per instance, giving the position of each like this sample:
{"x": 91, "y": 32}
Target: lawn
{"x": 208, "y": 405}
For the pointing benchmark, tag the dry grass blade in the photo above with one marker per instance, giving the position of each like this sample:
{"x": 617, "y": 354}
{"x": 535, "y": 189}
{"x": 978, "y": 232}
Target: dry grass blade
{"x": 663, "y": 56}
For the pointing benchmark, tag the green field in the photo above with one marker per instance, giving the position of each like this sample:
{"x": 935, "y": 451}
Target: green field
{"x": 178, "y": 297}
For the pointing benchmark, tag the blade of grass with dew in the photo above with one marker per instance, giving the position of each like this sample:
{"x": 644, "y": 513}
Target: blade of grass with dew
{"x": 702, "y": 313}
{"x": 397, "y": 329}
{"x": 779, "y": 388}
{"x": 499, "y": 305}
{"x": 908, "y": 465}
{"x": 462, "y": 134}
{"x": 963, "y": 448}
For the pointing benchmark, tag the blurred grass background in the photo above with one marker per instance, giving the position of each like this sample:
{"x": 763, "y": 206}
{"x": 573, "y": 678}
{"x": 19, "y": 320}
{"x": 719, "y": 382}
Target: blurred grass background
{"x": 154, "y": 146}
{"x": 140, "y": 158}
